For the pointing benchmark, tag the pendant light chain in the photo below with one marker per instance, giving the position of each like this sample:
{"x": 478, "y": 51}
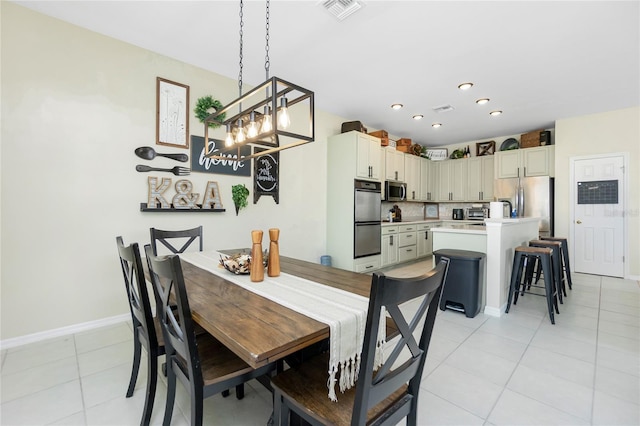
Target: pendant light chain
{"x": 241, "y": 34}
{"x": 267, "y": 62}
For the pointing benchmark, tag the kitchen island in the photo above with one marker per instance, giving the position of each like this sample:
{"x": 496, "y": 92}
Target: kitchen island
{"x": 497, "y": 239}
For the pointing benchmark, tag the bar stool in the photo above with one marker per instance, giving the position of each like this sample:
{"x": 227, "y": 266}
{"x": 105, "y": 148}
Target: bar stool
{"x": 566, "y": 268}
{"x": 523, "y": 255}
{"x": 556, "y": 266}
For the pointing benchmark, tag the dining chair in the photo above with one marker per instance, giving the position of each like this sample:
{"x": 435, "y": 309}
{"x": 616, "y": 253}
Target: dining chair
{"x": 185, "y": 237}
{"x": 382, "y": 396}
{"x": 146, "y": 330}
{"x": 203, "y": 365}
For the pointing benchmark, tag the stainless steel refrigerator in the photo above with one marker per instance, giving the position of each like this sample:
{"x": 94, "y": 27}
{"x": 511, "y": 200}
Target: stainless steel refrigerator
{"x": 530, "y": 197}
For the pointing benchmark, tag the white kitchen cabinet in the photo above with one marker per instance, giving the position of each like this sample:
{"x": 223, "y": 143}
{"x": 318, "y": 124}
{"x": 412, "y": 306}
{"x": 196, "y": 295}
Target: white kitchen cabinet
{"x": 412, "y": 176}
{"x": 407, "y": 249}
{"x": 393, "y": 164}
{"x": 344, "y": 154}
{"x": 480, "y": 177}
{"x": 452, "y": 180}
{"x": 389, "y": 245}
{"x": 538, "y": 161}
{"x": 429, "y": 171}
{"x": 424, "y": 240}
{"x": 368, "y": 157}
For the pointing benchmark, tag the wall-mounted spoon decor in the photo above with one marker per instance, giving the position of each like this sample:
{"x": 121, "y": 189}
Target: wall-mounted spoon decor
{"x": 149, "y": 153}
{"x": 178, "y": 171}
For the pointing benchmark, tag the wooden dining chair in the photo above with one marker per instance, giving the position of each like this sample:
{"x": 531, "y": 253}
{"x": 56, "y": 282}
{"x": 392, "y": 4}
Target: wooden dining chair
{"x": 146, "y": 330}
{"x": 383, "y": 396}
{"x": 204, "y": 365}
{"x": 185, "y": 237}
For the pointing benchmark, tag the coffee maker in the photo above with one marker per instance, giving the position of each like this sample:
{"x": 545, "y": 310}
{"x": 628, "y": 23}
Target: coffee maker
{"x": 458, "y": 214}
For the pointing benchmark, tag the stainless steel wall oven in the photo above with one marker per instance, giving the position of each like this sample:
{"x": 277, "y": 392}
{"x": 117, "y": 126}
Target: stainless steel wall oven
{"x": 366, "y": 218}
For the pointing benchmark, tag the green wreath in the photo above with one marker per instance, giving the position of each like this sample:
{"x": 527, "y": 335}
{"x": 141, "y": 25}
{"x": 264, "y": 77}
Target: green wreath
{"x": 203, "y": 106}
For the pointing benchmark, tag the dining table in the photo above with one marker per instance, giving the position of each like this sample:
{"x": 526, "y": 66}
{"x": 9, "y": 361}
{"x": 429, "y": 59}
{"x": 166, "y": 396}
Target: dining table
{"x": 257, "y": 329}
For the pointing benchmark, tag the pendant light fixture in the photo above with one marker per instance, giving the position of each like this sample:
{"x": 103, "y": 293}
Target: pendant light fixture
{"x": 278, "y": 114}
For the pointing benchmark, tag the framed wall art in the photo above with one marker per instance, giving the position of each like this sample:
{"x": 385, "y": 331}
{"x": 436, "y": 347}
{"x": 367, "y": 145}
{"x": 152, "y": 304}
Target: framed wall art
{"x": 172, "y": 113}
{"x": 485, "y": 148}
{"x": 437, "y": 154}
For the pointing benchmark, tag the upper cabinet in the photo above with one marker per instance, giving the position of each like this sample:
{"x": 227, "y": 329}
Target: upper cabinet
{"x": 539, "y": 161}
{"x": 480, "y": 178}
{"x": 452, "y": 180}
{"x": 394, "y": 165}
{"x": 412, "y": 177}
{"x": 429, "y": 171}
{"x": 369, "y": 157}
{"x": 356, "y": 154}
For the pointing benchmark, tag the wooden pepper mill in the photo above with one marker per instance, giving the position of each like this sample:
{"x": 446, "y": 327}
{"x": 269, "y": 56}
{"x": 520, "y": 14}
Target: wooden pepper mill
{"x": 257, "y": 263}
{"x": 273, "y": 269}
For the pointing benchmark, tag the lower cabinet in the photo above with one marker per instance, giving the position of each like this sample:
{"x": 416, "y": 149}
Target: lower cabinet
{"x": 367, "y": 264}
{"x": 424, "y": 240}
{"x": 389, "y": 245}
{"x": 407, "y": 248}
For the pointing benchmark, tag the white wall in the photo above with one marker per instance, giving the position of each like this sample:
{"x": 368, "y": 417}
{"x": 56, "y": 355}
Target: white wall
{"x": 608, "y": 132}
{"x": 75, "y": 105}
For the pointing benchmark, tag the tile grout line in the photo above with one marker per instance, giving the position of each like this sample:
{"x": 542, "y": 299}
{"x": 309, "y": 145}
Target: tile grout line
{"x": 84, "y": 405}
{"x": 595, "y": 361}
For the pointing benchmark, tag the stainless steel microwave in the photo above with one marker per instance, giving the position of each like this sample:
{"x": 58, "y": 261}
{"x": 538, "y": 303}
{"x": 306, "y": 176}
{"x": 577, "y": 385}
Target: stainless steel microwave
{"x": 395, "y": 191}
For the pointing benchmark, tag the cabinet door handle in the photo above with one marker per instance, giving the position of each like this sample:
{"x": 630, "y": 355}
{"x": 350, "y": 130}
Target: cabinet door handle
{"x": 391, "y": 240}
{"x": 369, "y": 267}
{"x": 525, "y": 172}
{"x": 426, "y": 235}
{"x": 396, "y": 175}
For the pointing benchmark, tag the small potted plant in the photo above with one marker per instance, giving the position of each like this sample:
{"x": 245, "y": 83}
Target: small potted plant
{"x": 239, "y": 193}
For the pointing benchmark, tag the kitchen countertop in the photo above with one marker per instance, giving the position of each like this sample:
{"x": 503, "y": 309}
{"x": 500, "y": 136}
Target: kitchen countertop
{"x": 467, "y": 228}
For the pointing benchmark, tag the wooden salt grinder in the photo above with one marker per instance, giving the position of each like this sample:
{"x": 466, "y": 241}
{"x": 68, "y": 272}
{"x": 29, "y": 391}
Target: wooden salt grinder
{"x": 257, "y": 263}
{"x": 273, "y": 268}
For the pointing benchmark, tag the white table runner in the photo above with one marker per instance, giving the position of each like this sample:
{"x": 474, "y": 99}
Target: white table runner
{"x": 344, "y": 312}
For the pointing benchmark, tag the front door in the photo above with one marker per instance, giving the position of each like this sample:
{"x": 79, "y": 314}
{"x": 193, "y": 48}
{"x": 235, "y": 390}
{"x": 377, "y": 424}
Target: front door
{"x": 598, "y": 215}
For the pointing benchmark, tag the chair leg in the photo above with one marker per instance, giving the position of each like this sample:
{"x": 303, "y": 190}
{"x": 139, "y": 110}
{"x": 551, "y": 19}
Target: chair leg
{"x": 171, "y": 394}
{"x": 522, "y": 263}
{"x": 277, "y": 409}
{"x": 240, "y": 391}
{"x": 225, "y": 393}
{"x": 512, "y": 285}
{"x": 197, "y": 396}
{"x": 565, "y": 262}
{"x": 137, "y": 352}
{"x": 551, "y": 299}
{"x": 152, "y": 381}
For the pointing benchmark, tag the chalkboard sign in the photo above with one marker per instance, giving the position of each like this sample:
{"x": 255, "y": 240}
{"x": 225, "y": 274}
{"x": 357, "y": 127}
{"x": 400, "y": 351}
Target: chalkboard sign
{"x": 266, "y": 175}
{"x": 598, "y": 192}
{"x": 200, "y": 163}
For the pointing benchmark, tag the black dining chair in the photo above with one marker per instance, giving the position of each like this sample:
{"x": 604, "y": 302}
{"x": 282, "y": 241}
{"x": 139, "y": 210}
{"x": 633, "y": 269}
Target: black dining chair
{"x": 185, "y": 237}
{"x": 383, "y": 396}
{"x": 203, "y": 365}
{"x": 146, "y": 330}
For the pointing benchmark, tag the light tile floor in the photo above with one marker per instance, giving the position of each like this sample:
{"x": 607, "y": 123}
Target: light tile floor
{"x": 512, "y": 370}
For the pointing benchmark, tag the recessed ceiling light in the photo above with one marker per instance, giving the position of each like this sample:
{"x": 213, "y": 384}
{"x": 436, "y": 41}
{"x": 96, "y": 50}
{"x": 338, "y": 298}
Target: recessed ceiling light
{"x": 465, "y": 86}
{"x": 482, "y": 101}
{"x": 397, "y": 106}
{"x": 436, "y": 125}
{"x": 497, "y": 112}
{"x": 418, "y": 117}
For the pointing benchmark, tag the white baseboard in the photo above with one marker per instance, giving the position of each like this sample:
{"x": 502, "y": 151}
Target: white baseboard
{"x": 495, "y": 312}
{"x": 63, "y": 331}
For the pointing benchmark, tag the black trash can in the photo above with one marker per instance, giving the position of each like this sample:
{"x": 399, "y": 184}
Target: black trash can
{"x": 462, "y": 289}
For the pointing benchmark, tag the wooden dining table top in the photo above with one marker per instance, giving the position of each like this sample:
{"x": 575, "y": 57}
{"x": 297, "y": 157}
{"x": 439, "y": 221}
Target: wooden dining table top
{"x": 258, "y": 330}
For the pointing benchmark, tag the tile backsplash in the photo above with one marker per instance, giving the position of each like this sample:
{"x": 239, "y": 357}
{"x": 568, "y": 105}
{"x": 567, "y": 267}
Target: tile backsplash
{"x": 414, "y": 211}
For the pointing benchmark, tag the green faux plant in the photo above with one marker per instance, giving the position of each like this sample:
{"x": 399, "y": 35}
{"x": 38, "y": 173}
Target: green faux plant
{"x": 239, "y": 194}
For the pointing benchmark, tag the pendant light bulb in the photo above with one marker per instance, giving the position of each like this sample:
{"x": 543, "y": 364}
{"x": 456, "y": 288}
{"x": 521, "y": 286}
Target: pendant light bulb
{"x": 229, "y": 139}
{"x": 283, "y": 120}
{"x": 267, "y": 125}
{"x": 240, "y": 137}
{"x": 253, "y": 126}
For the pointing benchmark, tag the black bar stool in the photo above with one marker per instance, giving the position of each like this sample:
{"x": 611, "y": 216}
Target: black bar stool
{"x": 556, "y": 266}
{"x": 565, "y": 258}
{"x": 523, "y": 255}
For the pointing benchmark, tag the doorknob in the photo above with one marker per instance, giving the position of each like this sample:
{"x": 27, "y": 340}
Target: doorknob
{"x": 578, "y": 222}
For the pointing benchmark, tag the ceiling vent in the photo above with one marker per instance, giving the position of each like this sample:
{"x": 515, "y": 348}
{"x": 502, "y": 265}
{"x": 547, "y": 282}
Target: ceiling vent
{"x": 341, "y": 9}
{"x": 443, "y": 108}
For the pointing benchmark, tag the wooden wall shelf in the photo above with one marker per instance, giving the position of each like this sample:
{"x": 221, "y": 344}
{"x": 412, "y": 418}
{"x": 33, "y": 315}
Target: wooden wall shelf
{"x": 144, "y": 208}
